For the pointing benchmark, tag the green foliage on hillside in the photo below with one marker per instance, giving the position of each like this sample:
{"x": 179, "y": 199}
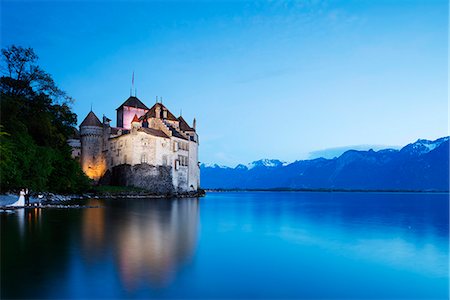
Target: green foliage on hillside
{"x": 36, "y": 121}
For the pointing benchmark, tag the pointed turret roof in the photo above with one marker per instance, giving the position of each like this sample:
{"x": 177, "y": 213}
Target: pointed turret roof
{"x": 133, "y": 101}
{"x": 91, "y": 120}
{"x": 184, "y": 125}
{"x": 135, "y": 119}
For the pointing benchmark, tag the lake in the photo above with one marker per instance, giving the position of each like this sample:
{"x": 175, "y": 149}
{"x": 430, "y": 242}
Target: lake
{"x": 232, "y": 245}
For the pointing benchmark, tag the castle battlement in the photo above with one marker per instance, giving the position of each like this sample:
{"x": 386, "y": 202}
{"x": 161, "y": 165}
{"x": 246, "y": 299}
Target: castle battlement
{"x": 149, "y": 148}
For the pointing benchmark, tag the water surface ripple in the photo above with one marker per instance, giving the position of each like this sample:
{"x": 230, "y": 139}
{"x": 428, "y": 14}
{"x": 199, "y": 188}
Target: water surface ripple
{"x": 232, "y": 245}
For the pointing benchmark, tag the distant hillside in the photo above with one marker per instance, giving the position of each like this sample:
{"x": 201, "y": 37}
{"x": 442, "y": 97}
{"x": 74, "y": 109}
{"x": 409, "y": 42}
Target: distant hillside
{"x": 423, "y": 165}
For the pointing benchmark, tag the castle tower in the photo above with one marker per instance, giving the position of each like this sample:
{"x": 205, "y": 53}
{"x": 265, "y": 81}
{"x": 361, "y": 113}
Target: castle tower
{"x": 92, "y": 160}
{"x": 125, "y": 113}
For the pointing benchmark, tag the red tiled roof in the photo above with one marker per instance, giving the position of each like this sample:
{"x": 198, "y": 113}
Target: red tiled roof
{"x": 184, "y": 125}
{"x": 154, "y": 132}
{"x": 152, "y": 113}
{"x": 135, "y": 119}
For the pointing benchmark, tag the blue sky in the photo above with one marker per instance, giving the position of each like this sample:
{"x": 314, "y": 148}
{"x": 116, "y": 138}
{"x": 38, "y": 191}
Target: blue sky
{"x": 275, "y": 79}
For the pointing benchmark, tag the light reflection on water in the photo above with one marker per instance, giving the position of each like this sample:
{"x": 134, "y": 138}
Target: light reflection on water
{"x": 149, "y": 242}
{"x": 241, "y": 245}
{"x": 146, "y": 241}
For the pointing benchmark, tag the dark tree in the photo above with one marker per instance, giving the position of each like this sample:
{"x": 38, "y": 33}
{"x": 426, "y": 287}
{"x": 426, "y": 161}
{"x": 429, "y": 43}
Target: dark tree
{"x": 22, "y": 76}
{"x": 36, "y": 121}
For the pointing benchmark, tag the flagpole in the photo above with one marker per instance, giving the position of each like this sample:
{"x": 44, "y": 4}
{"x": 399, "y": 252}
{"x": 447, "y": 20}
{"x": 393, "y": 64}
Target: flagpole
{"x": 132, "y": 83}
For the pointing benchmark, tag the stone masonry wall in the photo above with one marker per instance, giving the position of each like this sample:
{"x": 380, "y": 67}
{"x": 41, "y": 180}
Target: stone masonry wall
{"x": 155, "y": 179}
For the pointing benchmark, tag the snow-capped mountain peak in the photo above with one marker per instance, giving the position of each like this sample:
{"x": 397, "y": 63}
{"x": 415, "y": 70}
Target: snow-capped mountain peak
{"x": 210, "y": 165}
{"x": 241, "y": 167}
{"x": 422, "y": 146}
{"x": 268, "y": 163}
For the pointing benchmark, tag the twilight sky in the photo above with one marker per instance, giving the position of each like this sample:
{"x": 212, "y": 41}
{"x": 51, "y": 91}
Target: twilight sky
{"x": 275, "y": 79}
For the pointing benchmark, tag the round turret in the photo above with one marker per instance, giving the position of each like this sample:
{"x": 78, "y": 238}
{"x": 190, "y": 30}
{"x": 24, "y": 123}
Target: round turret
{"x": 92, "y": 160}
{"x": 91, "y": 125}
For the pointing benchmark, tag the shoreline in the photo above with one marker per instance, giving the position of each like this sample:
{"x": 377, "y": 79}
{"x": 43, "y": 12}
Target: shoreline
{"x": 51, "y": 200}
{"x": 56, "y": 206}
{"x": 57, "y": 201}
{"x": 47, "y": 199}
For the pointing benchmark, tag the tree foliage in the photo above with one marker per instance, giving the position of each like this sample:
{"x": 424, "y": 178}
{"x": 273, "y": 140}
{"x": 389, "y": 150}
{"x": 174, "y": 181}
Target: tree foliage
{"x": 36, "y": 121}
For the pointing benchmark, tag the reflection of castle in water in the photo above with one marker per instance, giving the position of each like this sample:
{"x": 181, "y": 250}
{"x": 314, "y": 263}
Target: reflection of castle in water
{"x": 150, "y": 239}
{"x": 93, "y": 229}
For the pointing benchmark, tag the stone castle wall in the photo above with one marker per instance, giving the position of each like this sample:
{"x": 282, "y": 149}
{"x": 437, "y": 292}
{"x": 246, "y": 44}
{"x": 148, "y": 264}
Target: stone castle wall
{"x": 194, "y": 168}
{"x": 156, "y": 179}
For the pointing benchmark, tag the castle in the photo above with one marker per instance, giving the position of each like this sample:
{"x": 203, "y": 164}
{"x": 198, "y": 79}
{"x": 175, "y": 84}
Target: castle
{"x": 149, "y": 148}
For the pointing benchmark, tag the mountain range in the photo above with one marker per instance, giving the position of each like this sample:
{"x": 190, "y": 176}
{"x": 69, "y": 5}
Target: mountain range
{"x": 419, "y": 166}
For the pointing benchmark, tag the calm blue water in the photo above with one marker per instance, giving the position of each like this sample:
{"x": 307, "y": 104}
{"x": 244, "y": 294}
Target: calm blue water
{"x": 232, "y": 245}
